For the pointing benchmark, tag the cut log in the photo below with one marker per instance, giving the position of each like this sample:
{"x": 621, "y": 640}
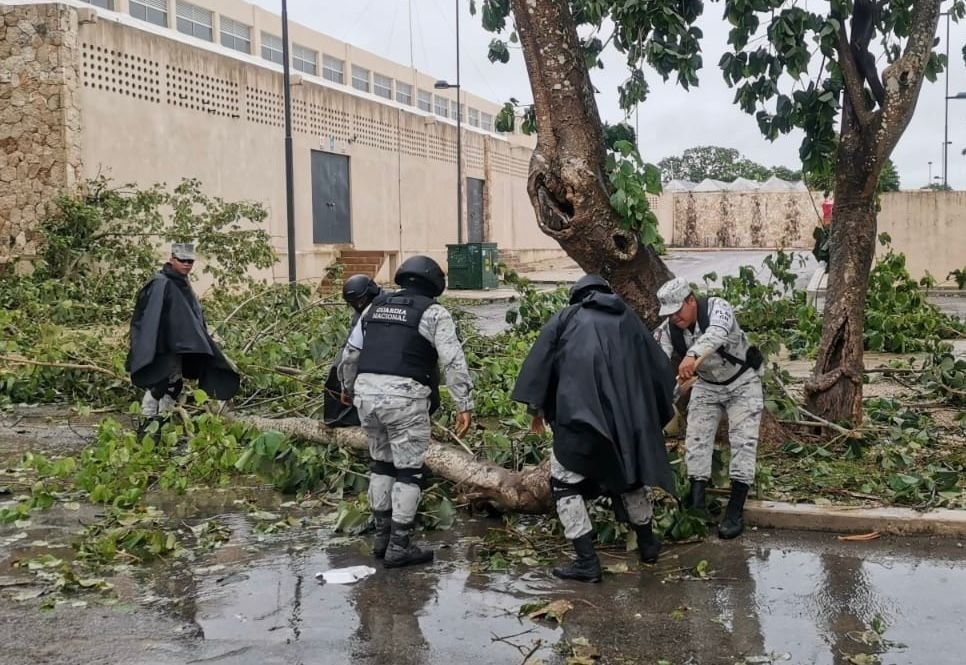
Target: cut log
{"x": 526, "y": 491}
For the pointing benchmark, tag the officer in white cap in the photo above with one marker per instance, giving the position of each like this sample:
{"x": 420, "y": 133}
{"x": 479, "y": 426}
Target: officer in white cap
{"x": 728, "y": 381}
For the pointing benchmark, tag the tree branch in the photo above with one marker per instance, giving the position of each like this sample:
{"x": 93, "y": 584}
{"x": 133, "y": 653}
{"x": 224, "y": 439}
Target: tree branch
{"x": 526, "y": 491}
{"x": 854, "y": 89}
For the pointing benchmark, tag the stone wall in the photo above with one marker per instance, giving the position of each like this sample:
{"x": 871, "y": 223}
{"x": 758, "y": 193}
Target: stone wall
{"x": 744, "y": 219}
{"x": 40, "y": 154}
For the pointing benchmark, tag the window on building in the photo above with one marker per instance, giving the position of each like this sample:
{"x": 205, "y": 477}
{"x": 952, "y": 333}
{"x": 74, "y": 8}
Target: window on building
{"x": 441, "y": 107}
{"x": 486, "y": 122}
{"x": 424, "y": 100}
{"x": 382, "y": 86}
{"x": 305, "y": 60}
{"x": 106, "y": 4}
{"x": 360, "y": 78}
{"x": 474, "y": 117}
{"x": 272, "y": 48}
{"x": 404, "y": 93}
{"x": 333, "y": 69}
{"x": 152, "y": 11}
{"x": 235, "y": 35}
{"x": 194, "y": 20}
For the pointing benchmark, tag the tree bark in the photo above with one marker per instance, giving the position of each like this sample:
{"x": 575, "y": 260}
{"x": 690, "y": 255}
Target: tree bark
{"x": 867, "y": 138}
{"x": 568, "y": 184}
{"x": 526, "y": 491}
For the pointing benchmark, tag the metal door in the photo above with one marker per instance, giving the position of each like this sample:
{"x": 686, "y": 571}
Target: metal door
{"x": 330, "y": 198}
{"x": 474, "y": 209}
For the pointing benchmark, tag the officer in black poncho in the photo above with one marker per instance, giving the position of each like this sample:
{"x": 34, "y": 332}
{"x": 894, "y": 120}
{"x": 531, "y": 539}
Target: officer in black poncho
{"x": 170, "y": 341}
{"x": 598, "y": 377}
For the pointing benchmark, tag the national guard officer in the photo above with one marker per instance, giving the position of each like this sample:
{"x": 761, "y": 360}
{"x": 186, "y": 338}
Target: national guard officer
{"x": 390, "y": 367}
{"x": 357, "y": 291}
{"x": 727, "y": 381}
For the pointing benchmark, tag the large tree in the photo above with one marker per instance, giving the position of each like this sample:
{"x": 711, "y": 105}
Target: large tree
{"x": 569, "y": 183}
{"x": 852, "y": 115}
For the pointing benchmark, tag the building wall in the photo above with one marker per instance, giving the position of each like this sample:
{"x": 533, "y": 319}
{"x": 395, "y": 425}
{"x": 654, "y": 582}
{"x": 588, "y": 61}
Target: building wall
{"x": 158, "y": 106}
{"x": 39, "y": 119}
{"x": 926, "y": 226}
{"x": 929, "y": 228}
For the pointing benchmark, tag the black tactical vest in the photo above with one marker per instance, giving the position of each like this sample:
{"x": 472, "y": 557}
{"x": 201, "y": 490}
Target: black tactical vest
{"x": 393, "y": 344}
{"x": 753, "y": 360}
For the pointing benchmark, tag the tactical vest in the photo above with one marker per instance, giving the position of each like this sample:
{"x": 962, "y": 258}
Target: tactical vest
{"x": 752, "y": 360}
{"x": 393, "y": 344}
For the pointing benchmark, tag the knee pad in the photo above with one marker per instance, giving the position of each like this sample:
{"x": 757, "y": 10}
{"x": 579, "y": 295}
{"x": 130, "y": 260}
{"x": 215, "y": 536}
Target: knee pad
{"x": 418, "y": 477}
{"x": 561, "y": 490}
{"x": 382, "y": 468}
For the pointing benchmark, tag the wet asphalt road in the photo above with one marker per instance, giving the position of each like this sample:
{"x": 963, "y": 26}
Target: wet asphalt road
{"x": 770, "y": 597}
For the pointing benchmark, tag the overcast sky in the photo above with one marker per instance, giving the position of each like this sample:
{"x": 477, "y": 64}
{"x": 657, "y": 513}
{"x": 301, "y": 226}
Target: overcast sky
{"x": 670, "y": 121}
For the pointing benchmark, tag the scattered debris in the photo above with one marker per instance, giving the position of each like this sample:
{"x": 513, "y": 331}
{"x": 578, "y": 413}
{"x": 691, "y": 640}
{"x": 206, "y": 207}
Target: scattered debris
{"x": 550, "y": 610}
{"x": 349, "y": 575}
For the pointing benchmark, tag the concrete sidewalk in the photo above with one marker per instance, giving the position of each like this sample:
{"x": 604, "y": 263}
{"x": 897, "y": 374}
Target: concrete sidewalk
{"x": 856, "y": 519}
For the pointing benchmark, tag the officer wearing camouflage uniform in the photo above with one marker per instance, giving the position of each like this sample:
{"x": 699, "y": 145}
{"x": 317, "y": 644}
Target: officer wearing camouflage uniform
{"x": 388, "y": 368}
{"x": 728, "y": 381}
{"x": 357, "y": 291}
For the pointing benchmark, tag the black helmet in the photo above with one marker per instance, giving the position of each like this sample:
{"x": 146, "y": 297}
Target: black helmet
{"x": 421, "y": 272}
{"x": 359, "y": 290}
{"x": 586, "y": 285}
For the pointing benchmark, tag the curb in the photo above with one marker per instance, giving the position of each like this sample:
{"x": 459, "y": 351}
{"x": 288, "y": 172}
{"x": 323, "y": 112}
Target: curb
{"x": 847, "y": 519}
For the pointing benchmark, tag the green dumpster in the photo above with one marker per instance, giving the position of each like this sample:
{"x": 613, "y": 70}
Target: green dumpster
{"x": 472, "y": 265}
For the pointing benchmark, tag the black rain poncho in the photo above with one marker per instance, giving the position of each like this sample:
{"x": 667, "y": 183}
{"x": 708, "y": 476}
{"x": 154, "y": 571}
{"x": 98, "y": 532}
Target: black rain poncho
{"x": 168, "y": 323}
{"x": 605, "y": 387}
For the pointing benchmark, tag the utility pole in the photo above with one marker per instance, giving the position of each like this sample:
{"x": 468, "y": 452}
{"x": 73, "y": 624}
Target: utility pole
{"x": 289, "y": 169}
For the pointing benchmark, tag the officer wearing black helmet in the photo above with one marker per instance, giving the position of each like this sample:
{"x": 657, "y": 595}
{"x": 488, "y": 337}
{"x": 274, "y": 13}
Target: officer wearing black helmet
{"x": 357, "y": 291}
{"x": 389, "y": 369}
{"x": 598, "y": 377}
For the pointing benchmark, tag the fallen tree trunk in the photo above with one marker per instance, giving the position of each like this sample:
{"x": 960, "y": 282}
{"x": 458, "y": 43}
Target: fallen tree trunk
{"x": 526, "y": 491}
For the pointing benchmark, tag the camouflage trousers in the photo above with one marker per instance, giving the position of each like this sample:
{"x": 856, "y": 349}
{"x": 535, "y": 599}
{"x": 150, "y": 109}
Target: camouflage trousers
{"x": 743, "y": 403}
{"x": 572, "y": 509}
{"x": 398, "y": 430}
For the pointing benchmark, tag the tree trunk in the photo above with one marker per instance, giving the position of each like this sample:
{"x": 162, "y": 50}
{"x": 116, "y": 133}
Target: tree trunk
{"x": 568, "y": 184}
{"x": 835, "y": 389}
{"x": 526, "y": 491}
{"x": 866, "y": 140}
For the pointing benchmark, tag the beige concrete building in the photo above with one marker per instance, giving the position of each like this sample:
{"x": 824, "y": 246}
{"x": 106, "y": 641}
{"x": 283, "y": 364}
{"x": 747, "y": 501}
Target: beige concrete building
{"x": 158, "y": 90}
{"x": 154, "y": 91}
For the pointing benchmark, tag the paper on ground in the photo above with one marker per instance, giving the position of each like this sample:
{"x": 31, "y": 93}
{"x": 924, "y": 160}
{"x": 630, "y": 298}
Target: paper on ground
{"x": 348, "y": 575}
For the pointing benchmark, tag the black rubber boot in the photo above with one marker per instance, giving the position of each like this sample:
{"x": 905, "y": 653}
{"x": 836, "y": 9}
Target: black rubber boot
{"x": 383, "y": 519}
{"x": 648, "y": 546}
{"x": 696, "y": 499}
{"x": 733, "y": 523}
{"x": 586, "y": 567}
{"x": 400, "y": 551}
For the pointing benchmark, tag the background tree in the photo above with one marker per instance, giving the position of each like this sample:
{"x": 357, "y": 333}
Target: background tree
{"x": 717, "y": 163}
